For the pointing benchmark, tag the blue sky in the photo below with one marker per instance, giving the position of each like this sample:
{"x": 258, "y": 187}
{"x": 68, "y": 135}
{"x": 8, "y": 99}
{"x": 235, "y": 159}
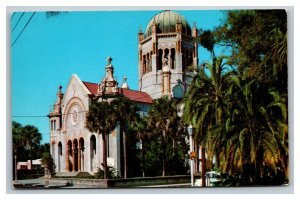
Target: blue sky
{"x": 50, "y": 50}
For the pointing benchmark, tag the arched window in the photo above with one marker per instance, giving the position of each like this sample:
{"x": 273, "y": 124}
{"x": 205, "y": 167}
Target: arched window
{"x": 59, "y": 149}
{"x": 150, "y": 61}
{"x": 54, "y": 125}
{"x": 172, "y": 61}
{"x": 75, "y": 155}
{"x": 93, "y": 145}
{"x": 144, "y": 65}
{"x": 147, "y": 62}
{"x": 59, "y": 154}
{"x": 92, "y": 152}
{"x": 69, "y": 154}
{"x": 81, "y": 144}
{"x": 166, "y": 58}
{"x": 160, "y": 58}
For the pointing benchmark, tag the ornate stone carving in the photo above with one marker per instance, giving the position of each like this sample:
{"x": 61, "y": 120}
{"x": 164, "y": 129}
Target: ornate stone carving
{"x": 74, "y": 116}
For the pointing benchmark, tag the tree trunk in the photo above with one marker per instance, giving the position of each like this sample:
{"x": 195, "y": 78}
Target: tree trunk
{"x": 30, "y": 158}
{"x": 143, "y": 157}
{"x": 164, "y": 154}
{"x": 104, "y": 155}
{"x": 197, "y": 157}
{"x": 203, "y": 166}
{"x": 175, "y": 156}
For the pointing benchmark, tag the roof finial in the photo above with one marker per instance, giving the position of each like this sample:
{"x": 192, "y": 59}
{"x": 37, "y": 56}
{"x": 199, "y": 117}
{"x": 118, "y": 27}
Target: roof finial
{"x": 124, "y": 84}
{"x": 109, "y": 59}
{"x": 194, "y": 26}
{"x": 140, "y": 29}
{"x": 59, "y": 88}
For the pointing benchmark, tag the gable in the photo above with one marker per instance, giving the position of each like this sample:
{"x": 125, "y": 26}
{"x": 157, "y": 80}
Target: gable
{"x": 76, "y": 89}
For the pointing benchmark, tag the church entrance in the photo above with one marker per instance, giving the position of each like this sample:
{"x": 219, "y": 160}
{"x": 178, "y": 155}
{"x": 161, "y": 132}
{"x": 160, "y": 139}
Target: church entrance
{"x": 59, "y": 154}
{"x": 69, "y": 153}
{"x": 75, "y": 155}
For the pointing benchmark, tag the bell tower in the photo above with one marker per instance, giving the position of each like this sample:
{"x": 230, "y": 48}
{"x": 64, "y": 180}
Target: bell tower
{"x": 168, "y": 36}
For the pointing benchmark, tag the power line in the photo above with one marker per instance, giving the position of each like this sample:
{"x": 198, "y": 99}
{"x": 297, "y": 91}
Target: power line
{"x": 24, "y": 28}
{"x": 46, "y": 115}
{"x": 17, "y": 21}
{"x": 36, "y": 116}
{"x": 29, "y": 116}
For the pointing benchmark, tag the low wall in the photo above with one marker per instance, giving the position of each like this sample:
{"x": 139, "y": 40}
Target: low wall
{"x": 99, "y": 183}
{"x": 122, "y": 183}
{"x": 134, "y": 182}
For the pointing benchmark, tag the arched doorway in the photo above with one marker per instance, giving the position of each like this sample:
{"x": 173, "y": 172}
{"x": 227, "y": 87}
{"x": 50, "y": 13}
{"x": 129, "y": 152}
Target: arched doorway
{"x": 59, "y": 155}
{"x": 75, "y": 155}
{"x": 92, "y": 152}
{"x": 69, "y": 153}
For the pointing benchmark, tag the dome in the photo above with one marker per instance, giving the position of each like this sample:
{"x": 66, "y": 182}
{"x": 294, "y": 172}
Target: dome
{"x": 166, "y": 23}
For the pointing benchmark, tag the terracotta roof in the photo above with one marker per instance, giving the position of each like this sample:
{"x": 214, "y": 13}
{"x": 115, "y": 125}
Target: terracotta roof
{"x": 92, "y": 87}
{"x": 137, "y": 96}
{"x": 133, "y": 95}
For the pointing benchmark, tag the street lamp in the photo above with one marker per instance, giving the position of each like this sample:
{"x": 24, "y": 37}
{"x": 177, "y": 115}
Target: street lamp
{"x": 190, "y": 131}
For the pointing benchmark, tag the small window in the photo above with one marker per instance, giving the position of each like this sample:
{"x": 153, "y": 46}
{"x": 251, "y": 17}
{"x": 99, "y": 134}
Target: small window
{"x": 54, "y": 126}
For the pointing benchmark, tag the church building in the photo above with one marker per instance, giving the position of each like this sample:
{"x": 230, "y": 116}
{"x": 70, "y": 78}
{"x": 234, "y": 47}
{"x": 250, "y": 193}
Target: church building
{"x": 165, "y": 51}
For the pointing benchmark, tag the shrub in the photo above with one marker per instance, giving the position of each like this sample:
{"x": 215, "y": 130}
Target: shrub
{"x": 111, "y": 173}
{"x": 47, "y": 160}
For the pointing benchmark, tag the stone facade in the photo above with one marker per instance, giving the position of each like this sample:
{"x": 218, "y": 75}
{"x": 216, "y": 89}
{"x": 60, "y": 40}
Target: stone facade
{"x": 73, "y": 147}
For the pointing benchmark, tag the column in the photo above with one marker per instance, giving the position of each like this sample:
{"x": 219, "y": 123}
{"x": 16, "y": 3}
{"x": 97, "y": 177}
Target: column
{"x": 73, "y": 159}
{"x": 169, "y": 58}
{"x": 79, "y": 159}
{"x": 67, "y": 159}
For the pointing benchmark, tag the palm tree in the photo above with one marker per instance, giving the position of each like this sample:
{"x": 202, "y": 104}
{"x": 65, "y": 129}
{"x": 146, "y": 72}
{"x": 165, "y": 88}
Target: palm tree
{"x": 143, "y": 134}
{"x": 31, "y": 137}
{"x": 161, "y": 117}
{"x": 101, "y": 119}
{"x": 126, "y": 112}
{"x": 276, "y": 117}
{"x": 205, "y": 105}
{"x": 253, "y": 146}
{"x": 17, "y": 139}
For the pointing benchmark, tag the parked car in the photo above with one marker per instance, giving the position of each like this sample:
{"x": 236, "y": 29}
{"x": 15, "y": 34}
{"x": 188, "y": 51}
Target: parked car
{"x": 213, "y": 178}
